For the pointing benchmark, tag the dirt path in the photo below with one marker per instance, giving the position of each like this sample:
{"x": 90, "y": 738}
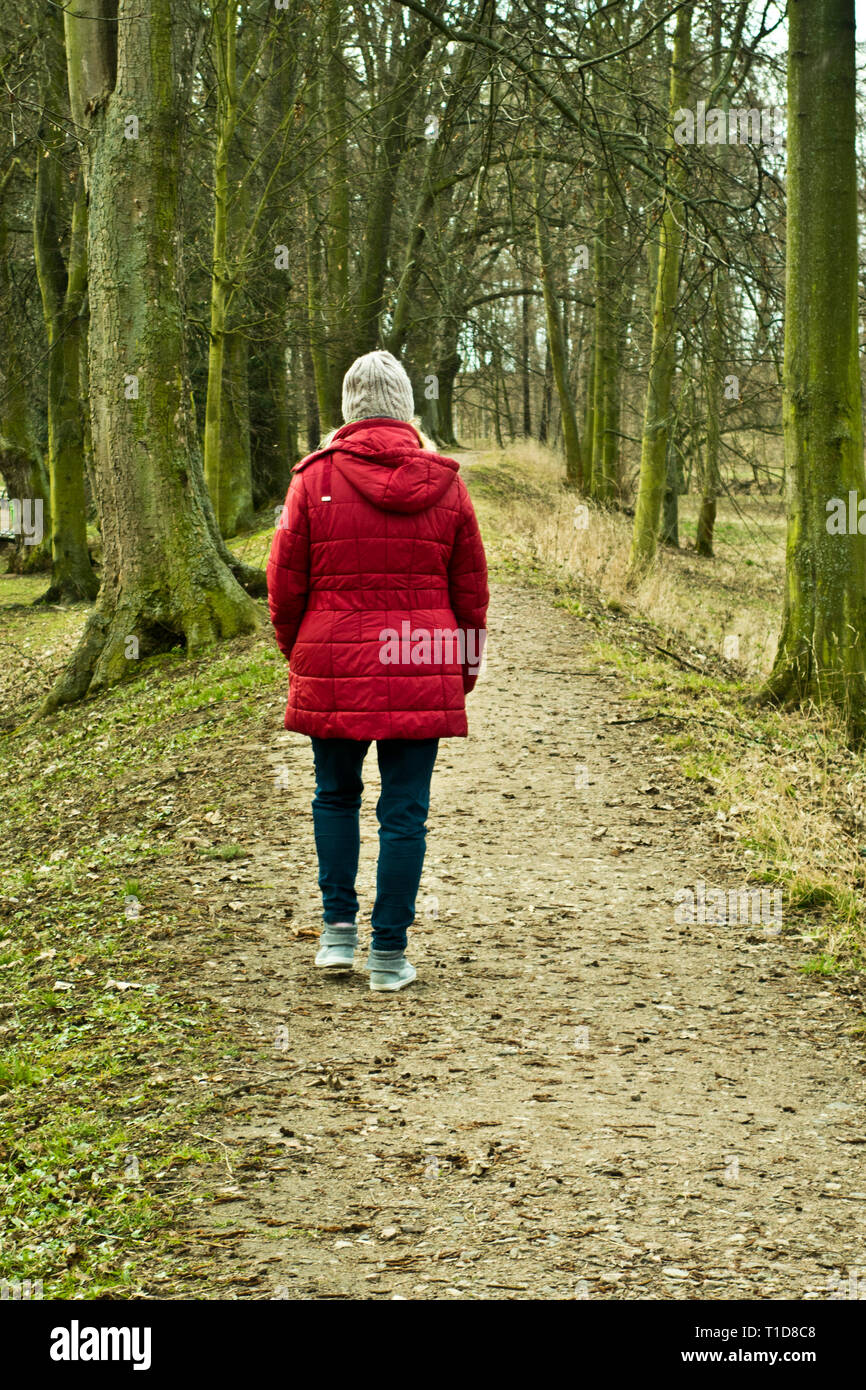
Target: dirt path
{"x": 579, "y": 1098}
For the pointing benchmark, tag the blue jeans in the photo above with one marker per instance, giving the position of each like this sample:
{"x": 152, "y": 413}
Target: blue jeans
{"x": 406, "y": 766}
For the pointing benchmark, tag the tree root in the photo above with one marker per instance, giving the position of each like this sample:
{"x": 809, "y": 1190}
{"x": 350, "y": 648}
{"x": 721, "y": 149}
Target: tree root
{"x": 117, "y": 637}
{"x": 68, "y": 592}
{"x": 255, "y": 581}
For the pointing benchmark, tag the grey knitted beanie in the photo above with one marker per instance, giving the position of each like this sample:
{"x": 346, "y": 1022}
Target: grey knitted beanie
{"x": 376, "y": 384}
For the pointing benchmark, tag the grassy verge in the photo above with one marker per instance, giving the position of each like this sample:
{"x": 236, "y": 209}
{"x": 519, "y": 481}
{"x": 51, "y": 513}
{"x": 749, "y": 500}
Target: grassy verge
{"x": 109, "y": 1068}
{"x": 786, "y": 791}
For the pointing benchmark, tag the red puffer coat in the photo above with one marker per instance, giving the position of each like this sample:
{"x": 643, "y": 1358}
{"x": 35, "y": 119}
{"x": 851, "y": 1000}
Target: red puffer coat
{"x": 377, "y": 585}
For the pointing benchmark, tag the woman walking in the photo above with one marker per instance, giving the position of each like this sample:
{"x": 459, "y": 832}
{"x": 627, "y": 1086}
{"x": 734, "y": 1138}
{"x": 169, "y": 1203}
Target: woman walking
{"x": 377, "y": 585}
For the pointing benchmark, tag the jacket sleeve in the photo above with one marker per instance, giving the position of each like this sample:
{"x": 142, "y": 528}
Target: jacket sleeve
{"x": 467, "y": 587}
{"x": 289, "y": 567}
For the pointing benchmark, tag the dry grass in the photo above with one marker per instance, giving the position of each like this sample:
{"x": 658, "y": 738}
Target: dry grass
{"x": 796, "y": 802}
{"x": 736, "y": 594}
{"x": 786, "y": 790}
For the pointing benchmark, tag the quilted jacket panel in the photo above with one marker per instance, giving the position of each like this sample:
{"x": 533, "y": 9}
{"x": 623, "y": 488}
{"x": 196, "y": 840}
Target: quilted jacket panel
{"x": 377, "y": 587}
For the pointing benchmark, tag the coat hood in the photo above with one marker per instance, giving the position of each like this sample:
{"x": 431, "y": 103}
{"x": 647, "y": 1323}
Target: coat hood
{"x": 384, "y": 459}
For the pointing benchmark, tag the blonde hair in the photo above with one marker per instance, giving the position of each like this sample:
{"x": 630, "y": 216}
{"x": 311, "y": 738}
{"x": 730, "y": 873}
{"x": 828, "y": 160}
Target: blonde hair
{"x": 426, "y": 444}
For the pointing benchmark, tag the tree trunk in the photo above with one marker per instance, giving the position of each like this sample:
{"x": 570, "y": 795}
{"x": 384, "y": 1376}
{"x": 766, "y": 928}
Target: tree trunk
{"x": 166, "y": 576}
{"x": 328, "y": 389}
{"x": 589, "y": 417}
{"x": 63, "y": 288}
{"x": 497, "y": 414}
{"x": 574, "y": 471}
{"x": 340, "y": 319}
{"x": 546, "y": 396}
{"x": 26, "y": 479}
{"x": 420, "y": 354}
{"x": 607, "y": 370}
{"x": 822, "y": 649}
{"x": 235, "y": 473}
{"x": 500, "y": 372}
{"x": 706, "y": 526}
{"x": 448, "y": 368}
{"x": 710, "y": 473}
{"x": 525, "y": 367}
{"x": 656, "y": 430}
{"x": 226, "y": 431}
{"x": 21, "y": 465}
{"x": 225, "y": 39}
{"x": 670, "y": 522}
{"x": 594, "y": 431}
{"x": 273, "y": 423}
{"x": 311, "y": 402}
{"x": 272, "y": 398}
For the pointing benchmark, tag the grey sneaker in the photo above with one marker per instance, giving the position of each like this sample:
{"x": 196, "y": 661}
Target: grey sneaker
{"x": 390, "y": 970}
{"x": 337, "y": 947}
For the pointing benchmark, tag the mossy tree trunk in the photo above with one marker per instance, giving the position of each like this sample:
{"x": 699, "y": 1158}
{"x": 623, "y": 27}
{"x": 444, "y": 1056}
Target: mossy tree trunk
{"x": 328, "y": 388}
{"x": 21, "y": 465}
{"x": 607, "y": 367}
{"x": 63, "y": 287}
{"x": 669, "y": 533}
{"x": 594, "y": 429}
{"x": 167, "y": 579}
{"x": 525, "y": 368}
{"x": 22, "y": 468}
{"x": 340, "y": 326}
{"x": 312, "y": 423}
{"x": 273, "y": 422}
{"x": 589, "y": 416}
{"x": 226, "y": 431}
{"x": 449, "y": 366}
{"x": 574, "y": 463}
{"x": 235, "y": 474}
{"x": 822, "y": 648}
{"x": 26, "y": 477}
{"x": 331, "y": 314}
{"x": 225, "y": 45}
{"x": 710, "y": 472}
{"x": 546, "y": 396}
{"x": 273, "y": 407}
{"x": 656, "y": 429}
{"x": 256, "y": 63}
{"x": 709, "y": 475}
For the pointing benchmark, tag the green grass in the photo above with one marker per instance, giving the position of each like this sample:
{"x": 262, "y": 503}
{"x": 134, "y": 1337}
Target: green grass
{"x": 85, "y": 1128}
{"x": 822, "y": 964}
{"x": 228, "y": 852}
{"x": 97, "y": 1097}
